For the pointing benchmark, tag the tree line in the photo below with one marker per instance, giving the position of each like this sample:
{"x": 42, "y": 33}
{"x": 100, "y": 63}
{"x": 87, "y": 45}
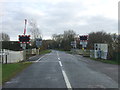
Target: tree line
{"x": 63, "y": 41}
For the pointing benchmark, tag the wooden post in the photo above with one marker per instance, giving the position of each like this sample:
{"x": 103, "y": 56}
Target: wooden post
{"x": 2, "y": 59}
{"x": 6, "y": 59}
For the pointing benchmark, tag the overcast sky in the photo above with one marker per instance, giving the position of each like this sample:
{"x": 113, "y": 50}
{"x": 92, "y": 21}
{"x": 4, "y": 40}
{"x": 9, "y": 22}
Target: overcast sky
{"x": 56, "y": 16}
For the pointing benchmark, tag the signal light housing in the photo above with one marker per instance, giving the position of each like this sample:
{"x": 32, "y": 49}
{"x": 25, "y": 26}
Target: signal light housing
{"x": 24, "y": 38}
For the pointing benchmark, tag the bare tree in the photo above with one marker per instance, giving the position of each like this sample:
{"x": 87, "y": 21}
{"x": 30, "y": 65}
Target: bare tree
{"x": 4, "y": 37}
{"x": 70, "y": 34}
{"x": 35, "y": 31}
{"x": 63, "y": 40}
{"x": 99, "y": 37}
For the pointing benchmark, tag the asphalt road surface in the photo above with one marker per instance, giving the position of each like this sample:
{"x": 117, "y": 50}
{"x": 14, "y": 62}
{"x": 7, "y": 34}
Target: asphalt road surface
{"x": 61, "y": 70}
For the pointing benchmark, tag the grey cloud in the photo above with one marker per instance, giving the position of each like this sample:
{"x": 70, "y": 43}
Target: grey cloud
{"x": 57, "y": 18}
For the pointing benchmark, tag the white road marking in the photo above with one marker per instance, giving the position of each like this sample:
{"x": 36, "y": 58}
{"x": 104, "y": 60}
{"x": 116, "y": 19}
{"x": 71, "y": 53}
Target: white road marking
{"x": 65, "y": 77}
{"x": 64, "y": 74}
{"x": 32, "y": 57}
{"x": 40, "y": 58}
{"x": 66, "y": 80}
{"x": 58, "y": 54}
{"x": 60, "y": 63}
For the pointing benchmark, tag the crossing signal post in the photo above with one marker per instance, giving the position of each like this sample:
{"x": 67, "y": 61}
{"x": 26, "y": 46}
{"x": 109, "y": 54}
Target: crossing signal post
{"x": 73, "y": 44}
{"x": 38, "y": 42}
{"x": 24, "y": 39}
{"x": 83, "y": 41}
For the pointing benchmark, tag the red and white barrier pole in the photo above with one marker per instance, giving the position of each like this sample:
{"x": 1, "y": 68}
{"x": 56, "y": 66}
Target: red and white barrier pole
{"x": 25, "y": 27}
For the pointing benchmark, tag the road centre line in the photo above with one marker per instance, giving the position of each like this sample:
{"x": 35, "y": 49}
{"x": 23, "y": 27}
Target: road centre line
{"x": 69, "y": 87}
{"x": 65, "y": 77}
{"x": 60, "y": 63}
{"x": 66, "y": 80}
{"x": 57, "y": 53}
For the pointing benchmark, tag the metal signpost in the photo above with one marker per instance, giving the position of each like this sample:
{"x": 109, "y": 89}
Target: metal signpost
{"x": 83, "y": 41}
{"x": 24, "y": 39}
{"x": 73, "y": 43}
{"x": 38, "y": 43}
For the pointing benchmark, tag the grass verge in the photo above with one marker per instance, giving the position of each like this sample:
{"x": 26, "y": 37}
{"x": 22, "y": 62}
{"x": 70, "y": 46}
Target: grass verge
{"x": 69, "y": 52}
{"x": 44, "y": 52}
{"x": 10, "y": 70}
{"x": 107, "y": 61}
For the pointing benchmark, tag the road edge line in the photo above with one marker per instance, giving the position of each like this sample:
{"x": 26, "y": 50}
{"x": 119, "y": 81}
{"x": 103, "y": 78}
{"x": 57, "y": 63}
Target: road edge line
{"x": 40, "y": 58}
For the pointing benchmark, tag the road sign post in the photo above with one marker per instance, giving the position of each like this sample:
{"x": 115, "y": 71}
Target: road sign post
{"x": 73, "y": 44}
{"x": 83, "y": 41}
{"x": 38, "y": 43}
{"x": 23, "y": 45}
{"x": 24, "y": 39}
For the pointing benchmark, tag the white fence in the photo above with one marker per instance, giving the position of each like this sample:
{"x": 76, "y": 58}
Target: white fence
{"x": 8, "y": 56}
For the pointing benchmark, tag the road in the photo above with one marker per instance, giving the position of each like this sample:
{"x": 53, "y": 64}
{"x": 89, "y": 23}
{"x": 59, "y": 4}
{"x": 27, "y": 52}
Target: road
{"x": 61, "y": 70}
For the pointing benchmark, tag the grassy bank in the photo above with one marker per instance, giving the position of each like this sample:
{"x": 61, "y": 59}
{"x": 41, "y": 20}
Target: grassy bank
{"x": 44, "y": 52}
{"x": 10, "y": 70}
{"x": 107, "y": 61}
